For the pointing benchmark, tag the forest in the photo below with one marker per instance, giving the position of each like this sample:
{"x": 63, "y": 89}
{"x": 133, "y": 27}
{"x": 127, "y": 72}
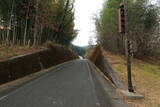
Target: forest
{"x": 33, "y": 22}
{"x": 143, "y": 24}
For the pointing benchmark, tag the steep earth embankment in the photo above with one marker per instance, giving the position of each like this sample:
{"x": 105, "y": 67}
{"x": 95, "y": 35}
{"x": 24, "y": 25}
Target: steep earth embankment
{"x": 96, "y": 57}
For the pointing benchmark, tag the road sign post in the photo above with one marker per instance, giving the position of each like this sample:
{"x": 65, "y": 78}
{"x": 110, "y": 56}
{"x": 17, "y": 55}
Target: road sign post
{"x": 123, "y": 29}
{"x": 121, "y": 15}
{"x": 129, "y": 65}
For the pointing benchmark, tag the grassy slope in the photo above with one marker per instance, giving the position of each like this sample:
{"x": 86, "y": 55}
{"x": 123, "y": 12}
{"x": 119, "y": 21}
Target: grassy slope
{"x": 8, "y": 51}
{"x": 146, "y": 78}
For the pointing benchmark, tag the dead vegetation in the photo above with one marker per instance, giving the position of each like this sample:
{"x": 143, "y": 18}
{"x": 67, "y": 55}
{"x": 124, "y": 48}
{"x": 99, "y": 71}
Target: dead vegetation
{"x": 11, "y": 51}
{"x": 146, "y": 78}
{"x": 94, "y": 54}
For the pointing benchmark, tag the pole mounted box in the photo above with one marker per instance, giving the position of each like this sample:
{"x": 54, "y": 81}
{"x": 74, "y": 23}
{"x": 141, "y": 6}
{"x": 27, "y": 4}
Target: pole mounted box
{"x": 121, "y": 18}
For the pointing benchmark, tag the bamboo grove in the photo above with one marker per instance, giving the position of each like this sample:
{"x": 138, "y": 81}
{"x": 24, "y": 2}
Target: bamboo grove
{"x": 33, "y": 22}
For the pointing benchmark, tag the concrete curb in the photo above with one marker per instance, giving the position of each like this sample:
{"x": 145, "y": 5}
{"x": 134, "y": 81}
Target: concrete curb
{"x": 131, "y": 96}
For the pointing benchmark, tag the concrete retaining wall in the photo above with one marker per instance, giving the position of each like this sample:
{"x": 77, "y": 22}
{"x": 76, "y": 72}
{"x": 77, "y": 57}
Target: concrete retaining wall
{"x": 21, "y": 66}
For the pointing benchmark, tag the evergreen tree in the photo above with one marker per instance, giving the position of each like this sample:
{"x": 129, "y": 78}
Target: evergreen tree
{"x": 142, "y": 21}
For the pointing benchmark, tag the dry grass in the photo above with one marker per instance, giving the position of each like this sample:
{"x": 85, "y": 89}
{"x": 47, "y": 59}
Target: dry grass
{"x": 146, "y": 78}
{"x": 10, "y": 51}
{"x": 94, "y": 54}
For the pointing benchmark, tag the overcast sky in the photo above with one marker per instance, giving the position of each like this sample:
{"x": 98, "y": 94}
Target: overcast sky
{"x": 84, "y": 13}
{"x": 154, "y": 1}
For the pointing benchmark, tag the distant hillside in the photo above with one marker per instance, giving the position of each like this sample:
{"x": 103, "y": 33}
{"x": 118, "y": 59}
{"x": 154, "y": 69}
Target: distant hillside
{"x": 86, "y": 47}
{"x": 80, "y": 51}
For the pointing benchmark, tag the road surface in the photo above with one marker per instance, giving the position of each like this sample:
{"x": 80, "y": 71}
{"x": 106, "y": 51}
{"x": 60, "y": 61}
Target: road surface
{"x": 73, "y": 84}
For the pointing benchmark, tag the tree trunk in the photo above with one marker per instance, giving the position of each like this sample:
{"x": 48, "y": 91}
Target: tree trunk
{"x": 35, "y": 25}
{"x": 10, "y": 22}
{"x": 25, "y": 31}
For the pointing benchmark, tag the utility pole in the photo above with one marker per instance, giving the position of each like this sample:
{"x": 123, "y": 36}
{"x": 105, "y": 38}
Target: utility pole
{"x": 123, "y": 28}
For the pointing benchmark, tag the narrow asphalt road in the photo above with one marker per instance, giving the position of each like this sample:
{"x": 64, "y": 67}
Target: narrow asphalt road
{"x": 74, "y": 84}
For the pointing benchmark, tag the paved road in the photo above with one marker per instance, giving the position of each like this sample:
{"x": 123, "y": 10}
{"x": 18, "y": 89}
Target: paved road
{"x": 74, "y": 84}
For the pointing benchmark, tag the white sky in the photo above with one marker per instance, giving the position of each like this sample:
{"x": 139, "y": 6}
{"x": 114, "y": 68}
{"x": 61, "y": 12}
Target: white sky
{"x": 154, "y": 1}
{"x": 84, "y": 14}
